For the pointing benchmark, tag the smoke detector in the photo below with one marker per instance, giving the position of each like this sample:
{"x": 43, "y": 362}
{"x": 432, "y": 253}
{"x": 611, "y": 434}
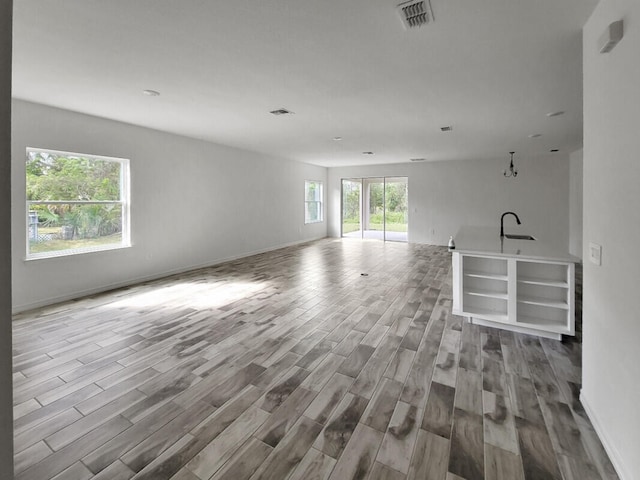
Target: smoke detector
{"x": 415, "y": 13}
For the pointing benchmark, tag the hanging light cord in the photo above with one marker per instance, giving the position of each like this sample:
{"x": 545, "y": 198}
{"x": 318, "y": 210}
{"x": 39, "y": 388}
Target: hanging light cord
{"x": 512, "y": 170}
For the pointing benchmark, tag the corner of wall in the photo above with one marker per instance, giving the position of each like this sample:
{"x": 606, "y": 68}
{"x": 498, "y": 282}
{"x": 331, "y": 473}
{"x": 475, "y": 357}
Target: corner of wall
{"x": 575, "y": 203}
{"x": 612, "y": 452}
{"x": 6, "y": 400}
{"x": 612, "y": 220}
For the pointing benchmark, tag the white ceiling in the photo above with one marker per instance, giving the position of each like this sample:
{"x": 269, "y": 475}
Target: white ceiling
{"x": 492, "y": 69}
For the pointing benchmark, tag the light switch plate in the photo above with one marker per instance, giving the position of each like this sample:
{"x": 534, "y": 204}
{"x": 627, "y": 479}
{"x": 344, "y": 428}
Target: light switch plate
{"x": 595, "y": 253}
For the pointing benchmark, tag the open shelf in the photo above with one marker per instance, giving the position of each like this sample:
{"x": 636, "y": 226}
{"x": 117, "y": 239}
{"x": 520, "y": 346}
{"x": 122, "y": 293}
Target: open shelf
{"x": 539, "y": 315}
{"x": 542, "y": 323}
{"x": 490, "y": 276}
{"x": 487, "y": 304}
{"x": 488, "y": 314}
{"x": 544, "y": 302}
{"x": 542, "y": 281}
{"x": 551, "y": 274}
{"x": 487, "y": 293}
{"x": 523, "y": 295}
{"x": 485, "y": 267}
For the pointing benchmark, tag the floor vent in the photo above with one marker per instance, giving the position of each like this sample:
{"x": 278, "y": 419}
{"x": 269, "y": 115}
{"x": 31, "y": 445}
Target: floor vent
{"x": 415, "y": 13}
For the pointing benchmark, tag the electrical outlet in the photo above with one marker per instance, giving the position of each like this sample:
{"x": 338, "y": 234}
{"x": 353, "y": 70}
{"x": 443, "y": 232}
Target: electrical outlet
{"x": 595, "y": 253}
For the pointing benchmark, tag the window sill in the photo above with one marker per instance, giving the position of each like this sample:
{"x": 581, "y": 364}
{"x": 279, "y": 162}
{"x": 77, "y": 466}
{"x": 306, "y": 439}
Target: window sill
{"x": 73, "y": 253}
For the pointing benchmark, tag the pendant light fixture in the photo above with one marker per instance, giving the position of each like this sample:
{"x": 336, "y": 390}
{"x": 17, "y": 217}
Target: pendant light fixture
{"x": 511, "y": 172}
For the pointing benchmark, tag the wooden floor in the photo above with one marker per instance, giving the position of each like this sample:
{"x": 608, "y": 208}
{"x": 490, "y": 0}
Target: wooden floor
{"x": 337, "y": 359}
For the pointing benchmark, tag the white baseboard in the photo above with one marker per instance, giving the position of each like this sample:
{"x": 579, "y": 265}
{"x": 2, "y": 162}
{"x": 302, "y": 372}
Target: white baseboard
{"x": 135, "y": 280}
{"x": 613, "y": 453}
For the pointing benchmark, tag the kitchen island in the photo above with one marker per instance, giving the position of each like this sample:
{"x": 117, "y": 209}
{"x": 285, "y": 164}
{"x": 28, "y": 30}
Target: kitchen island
{"x": 526, "y": 286}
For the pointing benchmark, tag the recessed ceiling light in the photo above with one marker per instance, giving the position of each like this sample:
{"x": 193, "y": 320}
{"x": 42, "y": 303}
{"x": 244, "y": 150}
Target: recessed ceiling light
{"x": 151, "y": 93}
{"x": 367, "y": 153}
{"x": 555, "y": 114}
{"x": 281, "y": 111}
{"x": 554, "y": 150}
{"x": 535, "y": 135}
{"x": 448, "y": 128}
{"x": 337, "y": 139}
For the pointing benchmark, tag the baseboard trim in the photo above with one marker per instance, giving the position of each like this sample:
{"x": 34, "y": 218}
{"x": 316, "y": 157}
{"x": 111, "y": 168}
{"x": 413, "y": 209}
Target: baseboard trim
{"x": 608, "y": 446}
{"x": 156, "y": 276}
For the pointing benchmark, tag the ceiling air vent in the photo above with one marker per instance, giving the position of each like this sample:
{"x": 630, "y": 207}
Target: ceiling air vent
{"x": 415, "y": 13}
{"x": 281, "y": 111}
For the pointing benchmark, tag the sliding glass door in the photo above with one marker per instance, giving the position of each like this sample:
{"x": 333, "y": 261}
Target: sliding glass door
{"x": 375, "y": 208}
{"x": 351, "y": 208}
{"x": 373, "y": 212}
{"x": 396, "y": 213}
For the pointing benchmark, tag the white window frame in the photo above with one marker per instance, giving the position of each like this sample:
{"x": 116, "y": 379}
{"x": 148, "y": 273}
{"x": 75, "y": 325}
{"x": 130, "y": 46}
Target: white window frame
{"x": 124, "y": 202}
{"x": 320, "y": 202}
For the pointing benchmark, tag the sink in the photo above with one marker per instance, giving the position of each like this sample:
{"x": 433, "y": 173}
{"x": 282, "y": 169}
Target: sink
{"x": 518, "y": 237}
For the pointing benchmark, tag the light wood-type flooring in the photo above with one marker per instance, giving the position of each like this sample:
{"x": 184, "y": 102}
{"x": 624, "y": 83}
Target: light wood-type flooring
{"x": 335, "y": 359}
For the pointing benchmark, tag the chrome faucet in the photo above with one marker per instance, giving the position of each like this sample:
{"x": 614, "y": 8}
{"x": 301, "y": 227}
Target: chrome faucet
{"x": 502, "y": 222}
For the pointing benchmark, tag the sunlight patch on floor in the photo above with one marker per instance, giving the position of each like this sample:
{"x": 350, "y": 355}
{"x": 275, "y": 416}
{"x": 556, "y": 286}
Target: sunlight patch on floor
{"x": 193, "y": 294}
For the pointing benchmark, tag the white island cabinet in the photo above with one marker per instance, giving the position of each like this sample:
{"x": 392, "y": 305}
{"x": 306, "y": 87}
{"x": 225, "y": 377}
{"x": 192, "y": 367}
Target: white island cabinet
{"x": 519, "y": 285}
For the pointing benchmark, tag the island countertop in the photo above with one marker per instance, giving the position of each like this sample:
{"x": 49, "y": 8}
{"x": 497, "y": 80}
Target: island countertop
{"x": 487, "y": 241}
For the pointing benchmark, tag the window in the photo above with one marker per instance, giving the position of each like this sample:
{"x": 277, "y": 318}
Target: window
{"x": 312, "y": 202}
{"x": 75, "y": 203}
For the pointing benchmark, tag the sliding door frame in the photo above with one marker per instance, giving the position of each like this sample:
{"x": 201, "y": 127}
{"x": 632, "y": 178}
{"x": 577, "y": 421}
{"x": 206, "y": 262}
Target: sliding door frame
{"x": 365, "y": 214}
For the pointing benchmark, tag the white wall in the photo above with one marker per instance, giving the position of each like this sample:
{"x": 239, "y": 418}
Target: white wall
{"x": 6, "y": 392}
{"x": 443, "y": 196}
{"x": 611, "y": 323}
{"x": 575, "y": 203}
{"x": 193, "y": 204}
